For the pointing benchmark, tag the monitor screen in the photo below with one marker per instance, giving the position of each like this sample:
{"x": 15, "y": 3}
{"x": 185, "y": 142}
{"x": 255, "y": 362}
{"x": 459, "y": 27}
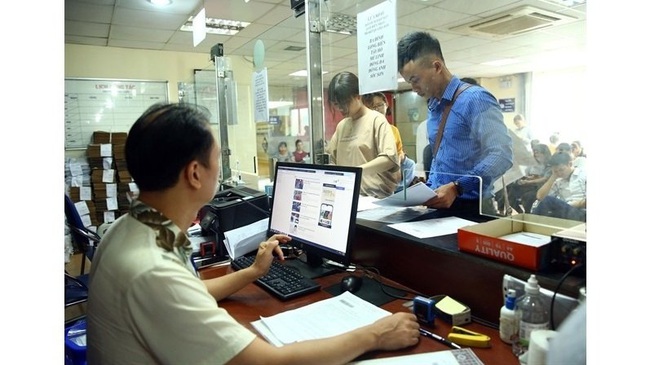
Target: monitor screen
{"x": 317, "y": 206}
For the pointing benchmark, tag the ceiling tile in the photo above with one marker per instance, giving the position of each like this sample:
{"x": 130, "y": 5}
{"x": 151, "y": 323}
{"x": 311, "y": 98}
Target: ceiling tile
{"x": 121, "y": 32}
{"x": 147, "y": 19}
{"x": 86, "y": 12}
{"x": 86, "y": 29}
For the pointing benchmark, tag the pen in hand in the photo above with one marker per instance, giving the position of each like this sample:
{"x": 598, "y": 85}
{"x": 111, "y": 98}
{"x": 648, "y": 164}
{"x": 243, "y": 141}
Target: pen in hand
{"x": 440, "y": 339}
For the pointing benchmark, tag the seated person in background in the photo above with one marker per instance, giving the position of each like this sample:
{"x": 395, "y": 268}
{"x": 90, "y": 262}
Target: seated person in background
{"x": 522, "y": 193}
{"x": 299, "y": 154}
{"x": 378, "y": 102}
{"x": 564, "y": 194}
{"x": 521, "y": 129}
{"x": 362, "y": 138}
{"x": 577, "y": 149}
{"x": 148, "y": 304}
{"x": 580, "y": 162}
{"x": 283, "y": 154}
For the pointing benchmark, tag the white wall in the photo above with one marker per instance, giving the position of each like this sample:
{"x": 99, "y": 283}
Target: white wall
{"x": 174, "y": 67}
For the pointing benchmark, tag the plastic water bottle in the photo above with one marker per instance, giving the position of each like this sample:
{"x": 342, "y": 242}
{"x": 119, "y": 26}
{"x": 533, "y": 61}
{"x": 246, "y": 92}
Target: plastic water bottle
{"x": 508, "y": 326}
{"x": 531, "y": 314}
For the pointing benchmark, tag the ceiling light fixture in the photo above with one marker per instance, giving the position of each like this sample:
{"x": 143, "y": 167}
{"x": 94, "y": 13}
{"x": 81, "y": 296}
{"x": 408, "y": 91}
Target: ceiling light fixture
{"x": 218, "y": 26}
{"x": 160, "y": 2}
{"x": 302, "y": 73}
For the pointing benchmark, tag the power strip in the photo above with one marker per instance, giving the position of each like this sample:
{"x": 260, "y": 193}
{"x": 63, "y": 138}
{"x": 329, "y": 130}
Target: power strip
{"x": 563, "y": 306}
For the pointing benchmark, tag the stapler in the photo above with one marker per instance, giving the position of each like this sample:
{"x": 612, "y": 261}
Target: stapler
{"x": 466, "y": 337}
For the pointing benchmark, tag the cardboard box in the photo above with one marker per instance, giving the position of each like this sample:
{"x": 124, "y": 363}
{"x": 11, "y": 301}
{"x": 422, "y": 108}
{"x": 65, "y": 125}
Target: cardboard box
{"x": 118, "y": 151}
{"x": 103, "y": 176}
{"x": 484, "y": 239}
{"x": 108, "y": 137}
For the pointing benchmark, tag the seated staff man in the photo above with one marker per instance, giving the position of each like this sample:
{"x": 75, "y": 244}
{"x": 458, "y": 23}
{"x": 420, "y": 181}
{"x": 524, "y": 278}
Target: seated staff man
{"x": 475, "y": 139}
{"x": 147, "y": 304}
{"x": 564, "y": 194}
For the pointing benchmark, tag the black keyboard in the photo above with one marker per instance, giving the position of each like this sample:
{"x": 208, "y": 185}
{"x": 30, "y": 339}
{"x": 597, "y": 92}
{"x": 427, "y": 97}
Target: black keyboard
{"x": 283, "y": 281}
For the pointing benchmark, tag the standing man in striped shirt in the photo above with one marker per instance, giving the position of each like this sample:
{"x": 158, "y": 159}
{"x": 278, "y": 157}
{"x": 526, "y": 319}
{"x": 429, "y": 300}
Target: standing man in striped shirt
{"x": 474, "y": 148}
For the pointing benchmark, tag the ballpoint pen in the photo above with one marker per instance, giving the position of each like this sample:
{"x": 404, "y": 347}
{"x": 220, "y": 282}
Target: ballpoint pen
{"x": 440, "y": 339}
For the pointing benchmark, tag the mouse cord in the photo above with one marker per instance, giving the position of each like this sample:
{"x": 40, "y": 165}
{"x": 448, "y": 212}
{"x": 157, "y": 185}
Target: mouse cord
{"x": 373, "y": 273}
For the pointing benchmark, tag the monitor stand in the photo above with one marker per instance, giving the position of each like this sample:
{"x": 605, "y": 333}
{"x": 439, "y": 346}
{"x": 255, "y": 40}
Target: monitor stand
{"x": 311, "y": 266}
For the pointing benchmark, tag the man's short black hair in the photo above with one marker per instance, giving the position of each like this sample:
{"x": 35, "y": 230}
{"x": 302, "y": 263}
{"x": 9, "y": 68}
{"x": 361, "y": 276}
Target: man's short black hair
{"x": 163, "y": 141}
{"x": 560, "y": 158}
{"x": 415, "y": 45}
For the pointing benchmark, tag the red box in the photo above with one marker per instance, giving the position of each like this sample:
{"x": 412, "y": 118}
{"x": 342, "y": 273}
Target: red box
{"x": 485, "y": 239}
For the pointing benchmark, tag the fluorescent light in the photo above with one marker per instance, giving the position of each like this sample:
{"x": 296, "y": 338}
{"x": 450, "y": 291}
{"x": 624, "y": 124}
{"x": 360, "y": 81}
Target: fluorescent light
{"x": 501, "y": 62}
{"x": 302, "y": 73}
{"x": 160, "y": 2}
{"x": 218, "y": 26}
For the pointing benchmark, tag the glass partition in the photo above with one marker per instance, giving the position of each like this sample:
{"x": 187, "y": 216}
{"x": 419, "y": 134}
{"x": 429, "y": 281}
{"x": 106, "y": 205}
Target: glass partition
{"x": 323, "y": 41}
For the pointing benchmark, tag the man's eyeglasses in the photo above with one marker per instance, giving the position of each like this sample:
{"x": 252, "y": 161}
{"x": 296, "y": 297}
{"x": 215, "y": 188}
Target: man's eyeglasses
{"x": 378, "y": 106}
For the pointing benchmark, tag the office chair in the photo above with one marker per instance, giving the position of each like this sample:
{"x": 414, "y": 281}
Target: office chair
{"x": 85, "y": 242}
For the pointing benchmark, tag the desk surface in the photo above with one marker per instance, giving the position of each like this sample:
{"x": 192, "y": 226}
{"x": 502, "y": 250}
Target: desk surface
{"x": 250, "y": 303}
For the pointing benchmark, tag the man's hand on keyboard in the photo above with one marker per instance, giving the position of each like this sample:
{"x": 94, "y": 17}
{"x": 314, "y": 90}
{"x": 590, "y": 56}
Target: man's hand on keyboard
{"x": 265, "y": 251}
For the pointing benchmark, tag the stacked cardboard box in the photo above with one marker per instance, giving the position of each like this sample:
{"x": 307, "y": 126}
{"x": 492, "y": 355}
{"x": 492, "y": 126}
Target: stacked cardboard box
{"x": 126, "y": 188}
{"x": 104, "y": 177}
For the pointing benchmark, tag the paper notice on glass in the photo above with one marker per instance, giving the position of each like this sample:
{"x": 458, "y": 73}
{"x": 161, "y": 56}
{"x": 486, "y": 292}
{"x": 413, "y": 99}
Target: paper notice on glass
{"x": 417, "y": 194}
{"x": 432, "y": 227}
{"x": 325, "y": 318}
{"x": 245, "y": 239}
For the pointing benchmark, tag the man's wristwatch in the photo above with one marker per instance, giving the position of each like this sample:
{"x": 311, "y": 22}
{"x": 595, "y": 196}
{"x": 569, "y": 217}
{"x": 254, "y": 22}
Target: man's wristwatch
{"x": 459, "y": 188}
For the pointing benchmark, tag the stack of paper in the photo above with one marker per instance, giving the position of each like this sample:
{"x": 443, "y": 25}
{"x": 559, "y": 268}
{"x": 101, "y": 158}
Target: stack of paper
{"x": 340, "y": 314}
{"x": 326, "y": 318}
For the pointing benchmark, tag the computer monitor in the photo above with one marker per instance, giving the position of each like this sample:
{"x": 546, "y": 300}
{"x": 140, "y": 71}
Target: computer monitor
{"x": 317, "y": 206}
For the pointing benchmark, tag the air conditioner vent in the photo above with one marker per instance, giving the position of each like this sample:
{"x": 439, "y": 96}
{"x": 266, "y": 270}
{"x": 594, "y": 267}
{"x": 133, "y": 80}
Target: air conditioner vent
{"x": 513, "y": 22}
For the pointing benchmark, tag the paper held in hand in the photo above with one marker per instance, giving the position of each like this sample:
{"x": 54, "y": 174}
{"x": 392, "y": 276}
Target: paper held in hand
{"x": 245, "y": 239}
{"x": 417, "y": 194}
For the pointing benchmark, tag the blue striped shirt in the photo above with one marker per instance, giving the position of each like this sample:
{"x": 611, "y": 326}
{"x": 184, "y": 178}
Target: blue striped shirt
{"x": 475, "y": 141}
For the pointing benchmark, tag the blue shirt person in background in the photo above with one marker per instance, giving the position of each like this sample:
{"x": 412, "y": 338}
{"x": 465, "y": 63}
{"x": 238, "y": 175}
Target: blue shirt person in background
{"x": 475, "y": 141}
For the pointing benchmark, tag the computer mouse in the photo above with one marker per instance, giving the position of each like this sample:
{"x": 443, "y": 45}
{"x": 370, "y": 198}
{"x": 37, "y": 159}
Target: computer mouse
{"x": 351, "y": 283}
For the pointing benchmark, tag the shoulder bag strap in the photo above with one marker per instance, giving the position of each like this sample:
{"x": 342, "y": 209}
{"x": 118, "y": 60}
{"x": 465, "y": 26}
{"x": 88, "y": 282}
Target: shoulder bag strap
{"x": 443, "y": 121}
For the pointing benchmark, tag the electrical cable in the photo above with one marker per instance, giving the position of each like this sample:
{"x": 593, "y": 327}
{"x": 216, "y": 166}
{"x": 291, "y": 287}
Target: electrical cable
{"x": 374, "y": 274}
{"x": 557, "y": 288}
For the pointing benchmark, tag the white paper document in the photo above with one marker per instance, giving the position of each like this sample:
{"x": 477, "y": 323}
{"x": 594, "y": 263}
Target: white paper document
{"x": 245, "y": 239}
{"x": 432, "y": 227}
{"x": 463, "y": 356}
{"x": 325, "y": 318}
{"x": 391, "y": 214}
{"x": 528, "y": 238}
{"x": 366, "y": 202}
{"x": 417, "y": 194}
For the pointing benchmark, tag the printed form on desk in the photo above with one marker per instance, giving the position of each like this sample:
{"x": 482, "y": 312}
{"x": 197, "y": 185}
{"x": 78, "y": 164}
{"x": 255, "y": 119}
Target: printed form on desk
{"x": 325, "y": 318}
{"x": 464, "y": 356}
{"x": 343, "y": 313}
{"x": 368, "y": 209}
{"x": 432, "y": 227}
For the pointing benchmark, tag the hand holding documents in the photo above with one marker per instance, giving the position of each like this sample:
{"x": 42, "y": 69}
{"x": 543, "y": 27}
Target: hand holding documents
{"x": 245, "y": 239}
{"x": 417, "y": 194}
